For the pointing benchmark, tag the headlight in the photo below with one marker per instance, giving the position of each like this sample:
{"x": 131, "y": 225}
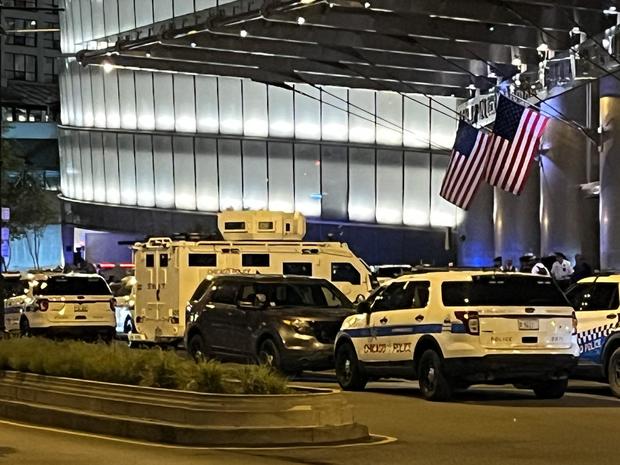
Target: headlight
{"x": 300, "y": 326}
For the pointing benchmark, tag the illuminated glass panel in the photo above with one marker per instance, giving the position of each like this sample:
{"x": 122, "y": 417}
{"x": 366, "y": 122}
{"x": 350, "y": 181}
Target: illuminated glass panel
{"x": 110, "y": 10}
{"x": 416, "y": 121}
{"x": 184, "y": 101}
{"x": 389, "y": 118}
{"x": 281, "y": 112}
{"x": 63, "y": 165}
{"x": 334, "y": 116}
{"x": 112, "y": 114}
{"x": 145, "y": 107}
{"x": 85, "y": 20}
{"x": 162, "y": 9}
{"x": 127, "y": 16}
{"x": 88, "y": 118}
{"x": 78, "y": 193}
{"x": 87, "y": 169}
{"x": 417, "y": 189}
{"x": 77, "y": 21}
{"x": 207, "y": 119}
{"x": 307, "y": 112}
{"x": 164, "y": 180}
{"x": 184, "y": 177}
{"x": 334, "y": 182}
{"x": 362, "y": 184}
{"x": 362, "y": 116}
{"x": 164, "y": 105}
{"x": 99, "y": 180}
{"x": 127, "y": 169}
{"x": 96, "y": 79}
{"x": 255, "y": 175}
{"x": 231, "y": 121}
{"x": 443, "y": 213}
{"x": 144, "y": 171}
{"x": 127, "y": 90}
{"x": 207, "y": 196}
{"x": 255, "y": 122}
{"x": 229, "y": 155}
{"x": 183, "y": 7}
{"x": 281, "y": 179}
{"x": 76, "y": 92}
{"x": 144, "y": 12}
{"x": 308, "y": 179}
{"x": 443, "y": 126}
{"x": 389, "y": 186}
{"x": 98, "y": 19}
{"x": 110, "y": 157}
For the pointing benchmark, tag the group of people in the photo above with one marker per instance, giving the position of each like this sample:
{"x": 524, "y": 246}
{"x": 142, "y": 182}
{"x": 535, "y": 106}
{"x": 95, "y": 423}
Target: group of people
{"x": 562, "y": 269}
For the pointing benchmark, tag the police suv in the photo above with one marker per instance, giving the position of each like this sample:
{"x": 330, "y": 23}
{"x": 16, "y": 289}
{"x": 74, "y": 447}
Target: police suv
{"x": 598, "y": 328}
{"x": 451, "y": 329}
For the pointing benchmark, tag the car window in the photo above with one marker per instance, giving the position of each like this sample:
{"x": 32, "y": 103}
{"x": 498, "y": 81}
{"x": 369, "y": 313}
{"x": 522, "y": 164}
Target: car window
{"x": 345, "y": 273}
{"x": 403, "y": 295}
{"x": 297, "y": 268}
{"x": 501, "y": 290}
{"x": 200, "y": 290}
{"x": 224, "y": 293}
{"x": 72, "y": 285}
{"x": 594, "y": 296}
{"x": 297, "y": 294}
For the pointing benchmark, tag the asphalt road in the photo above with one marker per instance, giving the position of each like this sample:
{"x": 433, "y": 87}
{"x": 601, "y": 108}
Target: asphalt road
{"x": 484, "y": 425}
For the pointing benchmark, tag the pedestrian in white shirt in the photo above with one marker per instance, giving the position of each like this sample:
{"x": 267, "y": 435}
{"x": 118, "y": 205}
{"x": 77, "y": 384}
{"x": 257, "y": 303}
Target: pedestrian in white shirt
{"x": 561, "y": 270}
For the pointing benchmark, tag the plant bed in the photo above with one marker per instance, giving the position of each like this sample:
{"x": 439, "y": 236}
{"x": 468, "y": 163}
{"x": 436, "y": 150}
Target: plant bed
{"x": 115, "y": 363}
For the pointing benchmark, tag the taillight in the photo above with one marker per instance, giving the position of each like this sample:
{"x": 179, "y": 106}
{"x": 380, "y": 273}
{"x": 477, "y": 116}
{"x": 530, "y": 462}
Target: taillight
{"x": 574, "y": 316}
{"x": 113, "y": 305}
{"x": 470, "y": 320}
{"x": 43, "y": 304}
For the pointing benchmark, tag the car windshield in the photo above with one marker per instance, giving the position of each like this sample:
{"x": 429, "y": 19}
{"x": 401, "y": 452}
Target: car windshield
{"x": 298, "y": 295}
{"x": 490, "y": 290}
{"x": 72, "y": 285}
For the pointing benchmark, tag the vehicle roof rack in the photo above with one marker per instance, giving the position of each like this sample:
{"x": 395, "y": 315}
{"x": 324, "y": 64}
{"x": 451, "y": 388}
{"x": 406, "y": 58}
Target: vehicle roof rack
{"x": 418, "y": 269}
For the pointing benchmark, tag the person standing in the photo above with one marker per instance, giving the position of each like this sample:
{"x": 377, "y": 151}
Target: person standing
{"x": 561, "y": 270}
{"x": 582, "y": 269}
{"x": 508, "y": 266}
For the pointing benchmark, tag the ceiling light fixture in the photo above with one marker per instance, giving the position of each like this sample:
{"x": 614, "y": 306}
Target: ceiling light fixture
{"x": 542, "y": 48}
{"x": 107, "y": 66}
{"x": 193, "y": 44}
{"x": 301, "y": 20}
{"x": 366, "y": 4}
{"x": 243, "y": 33}
{"x": 516, "y": 61}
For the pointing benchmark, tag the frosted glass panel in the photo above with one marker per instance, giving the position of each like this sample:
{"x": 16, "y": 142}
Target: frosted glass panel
{"x": 164, "y": 108}
{"x": 229, "y": 154}
{"x": 76, "y": 93}
{"x": 144, "y": 12}
{"x": 110, "y": 81}
{"x": 307, "y": 112}
{"x": 255, "y": 195}
{"x": 64, "y": 107}
{"x": 184, "y": 178}
{"x": 362, "y": 116}
{"x": 78, "y": 193}
{"x": 77, "y": 21}
{"x": 416, "y": 121}
{"x": 334, "y": 182}
{"x": 206, "y": 104}
{"x": 88, "y": 118}
{"x": 362, "y": 184}
{"x": 162, "y": 9}
{"x": 184, "y": 110}
{"x": 144, "y": 171}
{"x": 127, "y": 15}
{"x": 86, "y": 21}
{"x": 144, "y": 100}
{"x": 389, "y": 186}
{"x": 230, "y": 105}
{"x": 442, "y": 213}
{"x": 417, "y": 189}
{"x": 96, "y": 79}
{"x": 201, "y": 4}
{"x": 110, "y": 10}
{"x": 127, "y": 92}
{"x": 110, "y": 157}
{"x": 281, "y": 112}
{"x": 183, "y": 7}
{"x": 87, "y": 168}
{"x": 164, "y": 180}
{"x": 389, "y": 118}
{"x": 63, "y": 165}
{"x": 255, "y": 121}
{"x": 127, "y": 169}
{"x": 334, "y": 116}
{"x": 206, "y": 174}
{"x": 280, "y": 176}
{"x": 99, "y": 180}
{"x": 443, "y": 127}
{"x": 308, "y": 179}
{"x": 98, "y": 21}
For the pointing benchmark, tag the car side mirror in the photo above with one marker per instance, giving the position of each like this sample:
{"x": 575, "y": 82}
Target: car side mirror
{"x": 363, "y": 307}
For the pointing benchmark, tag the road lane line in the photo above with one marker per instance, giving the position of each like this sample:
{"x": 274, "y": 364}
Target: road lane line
{"x": 383, "y": 440}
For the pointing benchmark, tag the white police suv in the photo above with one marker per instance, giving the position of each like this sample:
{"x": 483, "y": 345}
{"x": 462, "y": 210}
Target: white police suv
{"x": 598, "y": 328}
{"x": 451, "y": 329}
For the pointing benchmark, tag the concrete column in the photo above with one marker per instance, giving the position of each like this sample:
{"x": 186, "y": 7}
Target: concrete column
{"x": 568, "y": 220}
{"x": 475, "y": 238}
{"x": 517, "y": 230}
{"x": 609, "y": 213}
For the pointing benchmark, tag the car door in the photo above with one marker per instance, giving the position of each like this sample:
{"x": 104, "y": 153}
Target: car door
{"x": 596, "y": 307}
{"x": 222, "y": 302}
{"x": 397, "y": 321}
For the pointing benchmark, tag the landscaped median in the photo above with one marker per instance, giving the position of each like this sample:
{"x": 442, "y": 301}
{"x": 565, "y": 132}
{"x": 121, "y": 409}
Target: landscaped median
{"x": 159, "y": 396}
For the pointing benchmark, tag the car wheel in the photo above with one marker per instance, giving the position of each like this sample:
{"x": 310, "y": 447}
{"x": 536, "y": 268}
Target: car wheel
{"x": 550, "y": 389}
{"x": 197, "y": 348}
{"x": 128, "y": 327}
{"x": 268, "y": 354}
{"x": 24, "y": 327}
{"x": 108, "y": 336}
{"x": 613, "y": 372}
{"x": 349, "y": 373}
{"x": 434, "y": 384}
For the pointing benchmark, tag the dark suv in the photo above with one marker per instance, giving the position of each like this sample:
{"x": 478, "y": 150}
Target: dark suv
{"x": 288, "y": 322}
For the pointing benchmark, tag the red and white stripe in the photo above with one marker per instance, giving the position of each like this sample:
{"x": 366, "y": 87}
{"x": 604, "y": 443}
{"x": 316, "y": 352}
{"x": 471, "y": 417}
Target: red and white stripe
{"x": 509, "y": 164}
{"x": 464, "y": 174}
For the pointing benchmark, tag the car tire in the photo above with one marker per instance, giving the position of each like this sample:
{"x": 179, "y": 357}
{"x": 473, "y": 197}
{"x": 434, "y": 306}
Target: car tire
{"x": 550, "y": 389}
{"x": 197, "y": 348}
{"x": 349, "y": 373}
{"x": 269, "y": 355}
{"x": 128, "y": 326}
{"x": 24, "y": 327}
{"x": 108, "y": 336}
{"x": 434, "y": 383}
{"x": 613, "y": 372}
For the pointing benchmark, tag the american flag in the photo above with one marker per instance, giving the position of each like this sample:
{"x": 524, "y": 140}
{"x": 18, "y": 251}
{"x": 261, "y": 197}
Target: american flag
{"x": 515, "y": 141}
{"x": 466, "y": 166}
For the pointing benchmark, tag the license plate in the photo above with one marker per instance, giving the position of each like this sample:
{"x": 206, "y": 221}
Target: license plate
{"x": 528, "y": 325}
{"x": 81, "y": 308}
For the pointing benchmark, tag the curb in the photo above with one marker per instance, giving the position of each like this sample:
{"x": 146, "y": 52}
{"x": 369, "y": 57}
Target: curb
{"x": 315, "y": 417}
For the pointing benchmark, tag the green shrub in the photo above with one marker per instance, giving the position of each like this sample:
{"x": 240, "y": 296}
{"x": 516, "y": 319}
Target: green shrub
{"x": 117, "y": 363}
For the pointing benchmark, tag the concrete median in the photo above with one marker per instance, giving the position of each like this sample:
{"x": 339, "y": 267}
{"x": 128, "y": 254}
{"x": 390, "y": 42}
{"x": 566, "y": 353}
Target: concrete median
{"x": 306, "y": 417}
